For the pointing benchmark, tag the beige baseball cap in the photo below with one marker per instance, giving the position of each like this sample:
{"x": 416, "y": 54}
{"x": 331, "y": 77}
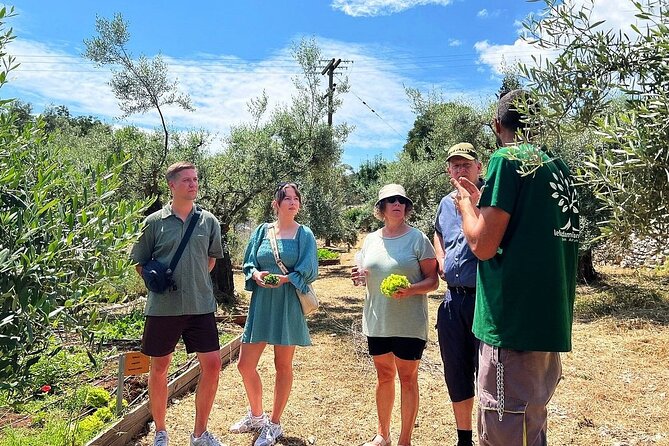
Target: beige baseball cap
{"x": 463, "y": 149}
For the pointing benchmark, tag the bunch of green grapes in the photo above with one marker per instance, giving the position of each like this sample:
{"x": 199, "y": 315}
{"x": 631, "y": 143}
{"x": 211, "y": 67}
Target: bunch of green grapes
{"x": 392, "y": 283}
{"x": 271, "y": 279}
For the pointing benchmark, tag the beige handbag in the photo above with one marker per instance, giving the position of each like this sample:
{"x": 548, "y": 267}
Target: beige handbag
{"x": 308, "y": 300}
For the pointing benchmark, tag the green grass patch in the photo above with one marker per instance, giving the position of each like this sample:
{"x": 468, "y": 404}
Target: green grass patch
{"x": 129, "y": 326}
{"x": 327, "y": 254}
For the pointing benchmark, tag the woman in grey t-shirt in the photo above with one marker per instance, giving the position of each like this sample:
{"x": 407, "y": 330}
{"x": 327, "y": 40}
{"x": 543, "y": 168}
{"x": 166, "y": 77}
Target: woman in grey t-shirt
{"x": 396, "y": 326}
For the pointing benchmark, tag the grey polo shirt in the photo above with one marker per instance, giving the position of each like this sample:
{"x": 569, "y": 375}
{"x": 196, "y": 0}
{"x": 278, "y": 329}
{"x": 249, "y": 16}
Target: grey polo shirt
{"x": 161, "y": 237}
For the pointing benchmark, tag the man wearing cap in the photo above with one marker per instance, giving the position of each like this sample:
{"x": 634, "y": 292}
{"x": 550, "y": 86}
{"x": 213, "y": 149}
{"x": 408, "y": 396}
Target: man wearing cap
{"x": 525, "y": 234}
{"x": 457, "y": 266}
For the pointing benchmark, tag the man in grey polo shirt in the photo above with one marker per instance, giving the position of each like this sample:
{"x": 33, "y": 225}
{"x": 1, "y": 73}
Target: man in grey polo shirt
{"x": 457, "y": 265}
{"x": 186, "y": 309}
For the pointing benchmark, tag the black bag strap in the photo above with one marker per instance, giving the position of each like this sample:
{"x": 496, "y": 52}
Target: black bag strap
{"x": 184, "y": 240}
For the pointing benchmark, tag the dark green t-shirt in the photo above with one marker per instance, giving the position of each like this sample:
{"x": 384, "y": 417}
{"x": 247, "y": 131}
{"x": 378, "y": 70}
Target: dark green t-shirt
{"x": 525, "y": 293}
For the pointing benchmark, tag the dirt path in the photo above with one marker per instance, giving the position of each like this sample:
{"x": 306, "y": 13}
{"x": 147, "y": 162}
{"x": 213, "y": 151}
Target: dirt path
{"x": 615, "y": 389}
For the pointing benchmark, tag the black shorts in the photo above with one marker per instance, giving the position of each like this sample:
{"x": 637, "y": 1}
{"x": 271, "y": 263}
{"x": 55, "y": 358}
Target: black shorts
{"x": 161, "y": 334}
{"x": 409, "y": 349}
{"x": 458, "y": 345}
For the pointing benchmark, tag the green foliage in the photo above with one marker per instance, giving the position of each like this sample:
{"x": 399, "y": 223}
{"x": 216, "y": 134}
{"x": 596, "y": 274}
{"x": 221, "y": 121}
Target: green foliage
{"x": 420, "y": 168}
{"x": 140, "y": 85}
{"x": 63, "y": 229}
{"x": 130, "y": 326}
{"x": 7, "y": 61}
{"x": 96, "y": 397}
{"x": 271, "y": 279}
{"x": 112, "y": 404}
{"x": 327, "y": 254}
{"x": 63, "y": 424}
{"x": 63, "y": 235}
{"x": 616, "y": 85}
{"x": 439, "y": 125}
{"x": 324, "y": 207}
{"x": 393, "y": 283}
{"x": 362, "y": 217}
{"x": 291, "y": 143}
{"x": 59, "y": 367}
{"x": 510, "y": 82}
{"x": 56, "y": 432}
{"x": 104, "y": 414}
{"x": 88, "y": 427}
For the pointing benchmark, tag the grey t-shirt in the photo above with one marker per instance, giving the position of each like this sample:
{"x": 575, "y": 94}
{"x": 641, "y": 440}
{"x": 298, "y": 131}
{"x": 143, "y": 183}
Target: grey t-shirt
{"x": 161, "y": 237}
{"x": 383, "y": 316}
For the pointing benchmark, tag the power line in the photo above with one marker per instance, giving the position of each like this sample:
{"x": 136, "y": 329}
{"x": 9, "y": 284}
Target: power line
{"x": 372, "y": 110}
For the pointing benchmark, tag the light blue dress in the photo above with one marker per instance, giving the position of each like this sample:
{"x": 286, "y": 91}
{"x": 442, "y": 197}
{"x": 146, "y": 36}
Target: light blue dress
{"x": 275, "y": 315}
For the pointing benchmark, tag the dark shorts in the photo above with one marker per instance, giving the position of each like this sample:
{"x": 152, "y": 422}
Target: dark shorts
{"x": 161, "y": 334}
{"x": 409, "y": 349}
{"x": 458, "y": 345}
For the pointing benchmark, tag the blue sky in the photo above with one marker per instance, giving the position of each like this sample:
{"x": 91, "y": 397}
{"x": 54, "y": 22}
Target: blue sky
{"x": 225, "y": 53}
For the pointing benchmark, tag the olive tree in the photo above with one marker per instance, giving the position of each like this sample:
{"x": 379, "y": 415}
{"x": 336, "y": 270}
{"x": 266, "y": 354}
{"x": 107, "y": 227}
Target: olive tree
{"x": 615, "y": 85}
{"x": 140, "y": 85}
{"x": 63, "y": 237}
{"x": 290, "y": 143}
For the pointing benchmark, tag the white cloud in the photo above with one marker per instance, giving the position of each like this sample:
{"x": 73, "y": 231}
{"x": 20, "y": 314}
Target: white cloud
{"x": 498, "y": 57}
{"x": 486, "y": 14}
{"x": 454, "y": 42}
{"x": 220, "y": 87}
{"x": 361, "y": 8}
{"x": 618, "y": 14}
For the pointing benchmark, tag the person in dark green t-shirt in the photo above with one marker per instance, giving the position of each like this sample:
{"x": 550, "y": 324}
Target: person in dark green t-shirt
{"x": 525, "y": 234}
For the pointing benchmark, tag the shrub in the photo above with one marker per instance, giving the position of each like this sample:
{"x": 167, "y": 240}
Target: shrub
{"x": 327, "y": 254}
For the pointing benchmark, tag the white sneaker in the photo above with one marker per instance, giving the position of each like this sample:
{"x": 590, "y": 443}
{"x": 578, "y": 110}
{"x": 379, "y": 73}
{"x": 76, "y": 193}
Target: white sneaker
{"x": 249, "y": 423}
{"x": 206, "y": 439}
{"x": 269, "y": 434}
{"x": 161, "y": 439}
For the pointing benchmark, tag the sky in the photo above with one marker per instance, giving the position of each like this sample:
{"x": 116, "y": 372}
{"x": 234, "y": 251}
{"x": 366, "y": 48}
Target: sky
{"x": 226, "y": 53}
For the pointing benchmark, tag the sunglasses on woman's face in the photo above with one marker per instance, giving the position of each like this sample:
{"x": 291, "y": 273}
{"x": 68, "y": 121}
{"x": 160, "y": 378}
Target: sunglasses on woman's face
{"x": 396, "y": 198}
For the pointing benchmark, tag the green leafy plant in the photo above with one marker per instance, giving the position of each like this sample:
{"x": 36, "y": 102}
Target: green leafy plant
{"x": 104, "y": 413}
{"x": 271, "y": 279}
{"x": 327, "y": 254}
{"x": 393, "y": 283}
{"x": 59, "y": 369}
{"x": 96, "y": 396}
{"x": 130, "y": 326}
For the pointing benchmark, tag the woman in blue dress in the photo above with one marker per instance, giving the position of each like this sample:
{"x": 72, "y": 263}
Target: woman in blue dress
{"x": 275, "y": 315}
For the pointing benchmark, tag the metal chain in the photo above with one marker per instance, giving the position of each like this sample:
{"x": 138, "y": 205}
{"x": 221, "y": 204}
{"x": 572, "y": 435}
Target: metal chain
{"x": 500, "y": 388}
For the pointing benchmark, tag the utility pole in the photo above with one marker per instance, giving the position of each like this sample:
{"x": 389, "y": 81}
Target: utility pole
{"x": 329, "y": 69}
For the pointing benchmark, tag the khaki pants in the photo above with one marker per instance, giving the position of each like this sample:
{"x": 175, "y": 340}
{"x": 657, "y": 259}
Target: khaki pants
{"x": 515, "y": 386}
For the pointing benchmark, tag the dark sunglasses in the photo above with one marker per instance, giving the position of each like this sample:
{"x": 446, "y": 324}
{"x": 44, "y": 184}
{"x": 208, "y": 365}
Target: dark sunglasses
{"x": 395, "y": 198}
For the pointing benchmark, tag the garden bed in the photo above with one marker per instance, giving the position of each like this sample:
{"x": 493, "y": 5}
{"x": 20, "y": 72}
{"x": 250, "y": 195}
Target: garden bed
{"x": 134, "y": 422}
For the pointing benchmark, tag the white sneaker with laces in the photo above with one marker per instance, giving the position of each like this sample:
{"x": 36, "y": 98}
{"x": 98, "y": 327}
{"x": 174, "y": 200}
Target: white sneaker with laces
{"x": 249, "y": 423}
{"x": 269, "y": 434}
{"x": 161, "y": 439}
{"x": 206, "y": 439}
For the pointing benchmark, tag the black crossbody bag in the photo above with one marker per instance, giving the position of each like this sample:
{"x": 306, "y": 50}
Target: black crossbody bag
{"x": 158, "y": 277}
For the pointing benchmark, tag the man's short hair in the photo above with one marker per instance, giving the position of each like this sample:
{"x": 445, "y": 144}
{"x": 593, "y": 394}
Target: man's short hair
{"x": 174, "y": 169}
{"x": 507, "y": 113}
